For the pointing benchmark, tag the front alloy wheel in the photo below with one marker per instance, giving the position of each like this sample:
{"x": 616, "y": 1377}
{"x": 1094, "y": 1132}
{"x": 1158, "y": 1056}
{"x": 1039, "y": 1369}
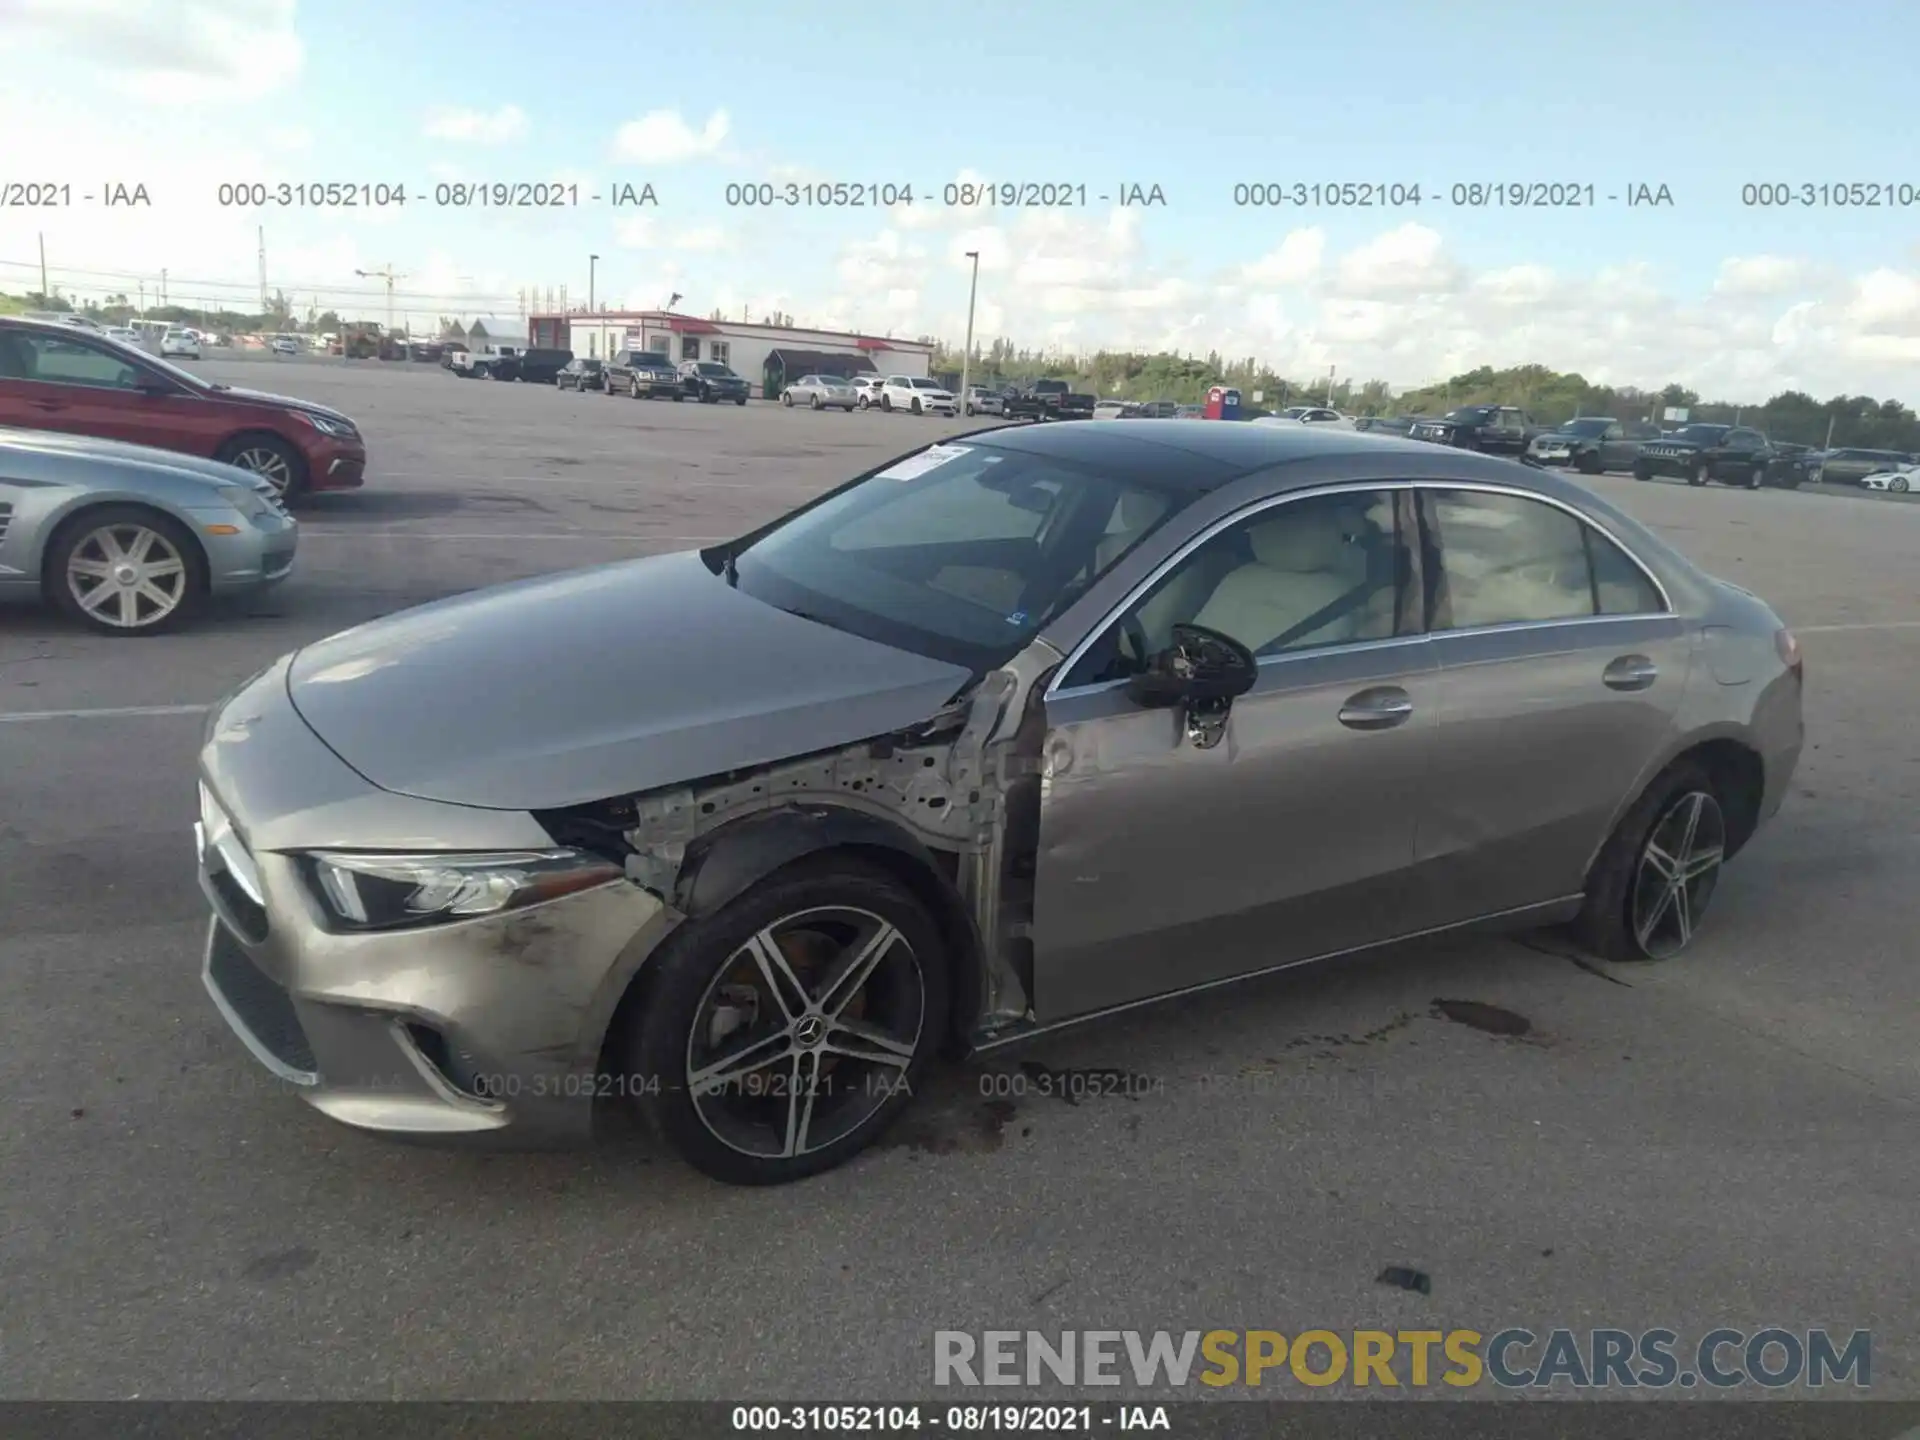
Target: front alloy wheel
{"x": 1898, "y": 484}
{"x": 782, "y": 1035}
{"x": 1679, "y": 867}
{"x": 126, "y": 571}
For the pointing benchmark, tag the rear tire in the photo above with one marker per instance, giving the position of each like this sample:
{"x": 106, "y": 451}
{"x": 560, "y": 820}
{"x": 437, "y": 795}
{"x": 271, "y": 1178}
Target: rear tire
{"x": 786, "y": 398}
{"x": 1700, "y": 474}
{"x": 1622, "y": 887}
{"x": 740, "y": 400}
{"x": 683, "y": 1006}
{"x": 815, "y": 404}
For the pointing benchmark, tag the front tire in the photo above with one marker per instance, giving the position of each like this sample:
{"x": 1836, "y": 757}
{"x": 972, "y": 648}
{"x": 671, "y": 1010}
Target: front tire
{"x": 886, "y": 403}
{"x": 786, "y": 399}
{"x": 1650, "y": 888}
{"x": 1898, "y": 485}
{"x": 816, "y": 403}
{"x": 1700, "y": 474}
{"x": 269, "y": 457}
{"x": 1642, "y": 470}
{"x": 125, "y": 570}
{"x": 1588, "y": 464}
{"x": 784, "y": 1034}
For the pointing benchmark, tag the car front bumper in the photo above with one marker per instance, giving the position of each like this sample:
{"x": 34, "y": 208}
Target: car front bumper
{"x": 245, "y": 554}
{"x": 1680, "y": 466}
{"x": 335, "y": 463}
{"x": 482, "y": 1031}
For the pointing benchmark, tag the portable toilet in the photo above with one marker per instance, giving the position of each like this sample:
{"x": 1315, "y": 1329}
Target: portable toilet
{"x": 1223, "y": 403}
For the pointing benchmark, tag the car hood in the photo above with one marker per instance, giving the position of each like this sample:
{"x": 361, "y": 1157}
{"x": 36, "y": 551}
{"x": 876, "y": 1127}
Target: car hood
{"x": 596, "y": 683}
{"x": 261, "y": 397}
{"x": 48, "y": 442}
{"x": 1672, "y": 444}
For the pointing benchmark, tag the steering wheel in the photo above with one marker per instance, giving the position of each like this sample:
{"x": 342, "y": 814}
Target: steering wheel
{"x": 1135, "y": 635}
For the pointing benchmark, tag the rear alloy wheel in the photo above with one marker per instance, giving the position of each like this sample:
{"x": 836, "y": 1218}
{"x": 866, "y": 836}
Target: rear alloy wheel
{"x": 1701, "y": 473}
{"x": 781, "y": 1036}
{"x": 126, "y": 570}
{"x": 815, "y": 403}
{"x": 271, "y": 458}
{"x": 1756, "y": 477}
{"x": 1654, "y": 879}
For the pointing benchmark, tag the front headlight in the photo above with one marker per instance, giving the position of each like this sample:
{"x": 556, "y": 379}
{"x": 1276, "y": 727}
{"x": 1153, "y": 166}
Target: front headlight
{"x": 391, "y": 892}
{"x": 324, "y": 425}
{"x": 249, "y": 502}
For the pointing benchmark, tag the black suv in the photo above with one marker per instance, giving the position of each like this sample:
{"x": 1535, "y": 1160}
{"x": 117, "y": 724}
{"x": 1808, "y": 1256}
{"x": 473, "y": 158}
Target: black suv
{"x": 710, "y": 382}
{"x": 581, "y": 375}
{"x": 539, "y": 367}
{"x": 1731, "y": 454}
{"x": 644, "y": 374}
{"x": 1490, "y": 429}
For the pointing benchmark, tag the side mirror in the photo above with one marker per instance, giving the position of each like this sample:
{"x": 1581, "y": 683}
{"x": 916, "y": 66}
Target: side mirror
{"x": 1202, "y": 669}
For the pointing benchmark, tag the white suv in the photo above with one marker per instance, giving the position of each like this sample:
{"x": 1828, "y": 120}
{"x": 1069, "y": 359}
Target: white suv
{"x": 866, "y": 390}
{"x": 180, "y": 342}
{"x": 918, "y": 395}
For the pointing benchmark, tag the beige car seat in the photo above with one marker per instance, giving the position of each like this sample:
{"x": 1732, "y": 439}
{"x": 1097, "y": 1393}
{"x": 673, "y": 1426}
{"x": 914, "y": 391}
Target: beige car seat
{"x": 1303, "y": 561}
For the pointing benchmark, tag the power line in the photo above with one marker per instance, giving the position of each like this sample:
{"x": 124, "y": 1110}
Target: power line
{"x": 471, "y": 298}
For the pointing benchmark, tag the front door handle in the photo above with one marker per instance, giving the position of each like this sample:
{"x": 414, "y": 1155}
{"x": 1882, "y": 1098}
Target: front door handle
{"x": 1630, "y": 672}
{"x": 48, "y": 404}
{"x": 1380, "y": 708}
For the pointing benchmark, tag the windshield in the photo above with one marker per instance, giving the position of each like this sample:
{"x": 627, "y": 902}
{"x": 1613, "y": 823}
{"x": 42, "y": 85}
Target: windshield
{"x": 1704, "y": 434}
{"x": 961, "y": 552}
{"x": 1470, "y": 414}
{"x": 708, "y": 368}
{"x": 923, "y": 384}
{"x": 1587, "y": 429}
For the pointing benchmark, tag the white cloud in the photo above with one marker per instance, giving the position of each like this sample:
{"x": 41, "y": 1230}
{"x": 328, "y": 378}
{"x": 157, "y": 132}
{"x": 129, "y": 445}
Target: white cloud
{"x": 1399, "y": 306}
{"x": 1409, "y": 261}
{"x": 1295, "y": 260}
{"x": 1759, "y": 275}
{"x": 480, "y": 127}
{"x": 645, "y": 232}
{"x": 663, "y": 137}
{"x": 155, "y": 49}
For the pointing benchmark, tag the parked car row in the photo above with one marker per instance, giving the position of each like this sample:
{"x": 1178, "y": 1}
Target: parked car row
{"x": 648, "y": 375}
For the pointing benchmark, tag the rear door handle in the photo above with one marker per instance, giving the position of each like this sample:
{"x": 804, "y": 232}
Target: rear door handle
{"x": 1380, "y": 708}
{"x": 1630, "y": 672}
{"x": 48, "y": 404}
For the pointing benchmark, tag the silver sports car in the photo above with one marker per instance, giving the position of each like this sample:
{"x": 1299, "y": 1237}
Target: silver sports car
{"x": 130, "y": 540}
{"x": 1013, "y": 731}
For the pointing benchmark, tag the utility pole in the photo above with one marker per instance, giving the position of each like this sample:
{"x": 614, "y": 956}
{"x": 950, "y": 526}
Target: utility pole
{"x": 163, "y": 289}
{"x": 45, "y": 294}
{"x": 966, "y": 355}
{"x": 263, "y": 269}
{"x": 388, "y": 276}
{"x": 1829, "y": 443}
{"x": 1330, "y": 370}
{"x": 593, "y": 265}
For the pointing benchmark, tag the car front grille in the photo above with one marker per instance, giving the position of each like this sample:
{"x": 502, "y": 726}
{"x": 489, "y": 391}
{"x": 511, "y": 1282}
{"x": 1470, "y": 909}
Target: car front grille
{"x": 6, "y": 518}
{"x": 259, "y": 1003}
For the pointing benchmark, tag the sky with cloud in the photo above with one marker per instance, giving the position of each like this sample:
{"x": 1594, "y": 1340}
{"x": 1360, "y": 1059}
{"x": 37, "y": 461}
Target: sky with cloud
{"x": 1734, "y": 299}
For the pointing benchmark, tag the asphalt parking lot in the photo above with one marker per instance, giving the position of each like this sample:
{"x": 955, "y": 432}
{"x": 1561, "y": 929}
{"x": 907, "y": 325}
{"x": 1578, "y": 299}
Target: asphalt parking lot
{"x": 1726, "y": 1140}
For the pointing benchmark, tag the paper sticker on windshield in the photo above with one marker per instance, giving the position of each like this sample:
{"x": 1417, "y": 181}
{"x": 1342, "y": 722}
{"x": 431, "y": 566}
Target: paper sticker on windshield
{"x": 931, "y": 458}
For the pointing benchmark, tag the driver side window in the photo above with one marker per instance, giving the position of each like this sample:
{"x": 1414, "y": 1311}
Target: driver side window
{"x": 1306, "y": 574}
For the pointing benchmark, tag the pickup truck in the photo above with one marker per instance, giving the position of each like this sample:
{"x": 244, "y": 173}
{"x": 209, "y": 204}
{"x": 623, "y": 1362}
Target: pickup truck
{"x": 1048, "y": 400}
{"x": 1490, "y": 429}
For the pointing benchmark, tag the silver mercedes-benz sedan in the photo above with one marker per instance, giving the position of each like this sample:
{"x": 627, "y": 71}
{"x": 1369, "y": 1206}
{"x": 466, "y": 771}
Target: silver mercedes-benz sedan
{"x": 129, "y": 540}
{"x": 1015, "y": 730}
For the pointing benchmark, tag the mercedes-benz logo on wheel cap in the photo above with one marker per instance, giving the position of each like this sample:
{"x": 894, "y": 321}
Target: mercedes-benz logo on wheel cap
{"x": 810, "y": 1031}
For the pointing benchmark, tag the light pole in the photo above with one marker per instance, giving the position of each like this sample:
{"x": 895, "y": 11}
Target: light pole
{"x": 593, "y": 262}
{"x": 966, "y": 356}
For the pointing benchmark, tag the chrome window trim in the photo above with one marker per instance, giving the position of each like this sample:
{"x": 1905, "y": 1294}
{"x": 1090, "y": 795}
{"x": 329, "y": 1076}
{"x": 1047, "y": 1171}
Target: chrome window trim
{"x": 1337, "y": 487}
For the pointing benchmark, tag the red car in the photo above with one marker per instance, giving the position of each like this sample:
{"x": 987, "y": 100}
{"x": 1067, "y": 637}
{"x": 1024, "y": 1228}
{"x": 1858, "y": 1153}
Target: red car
{"x": 59, "y": 377}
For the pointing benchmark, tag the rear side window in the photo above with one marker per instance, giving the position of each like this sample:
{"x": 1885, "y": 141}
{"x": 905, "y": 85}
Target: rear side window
{"x": 1508, "y": 560}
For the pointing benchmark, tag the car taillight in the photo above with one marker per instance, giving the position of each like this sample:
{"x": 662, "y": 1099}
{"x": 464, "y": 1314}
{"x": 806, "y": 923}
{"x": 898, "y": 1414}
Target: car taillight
{"x": 1789, "y": 651}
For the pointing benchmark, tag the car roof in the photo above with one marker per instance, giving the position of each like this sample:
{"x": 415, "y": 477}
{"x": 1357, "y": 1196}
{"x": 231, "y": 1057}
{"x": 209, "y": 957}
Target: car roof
{"x": 1208, "y": 455}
